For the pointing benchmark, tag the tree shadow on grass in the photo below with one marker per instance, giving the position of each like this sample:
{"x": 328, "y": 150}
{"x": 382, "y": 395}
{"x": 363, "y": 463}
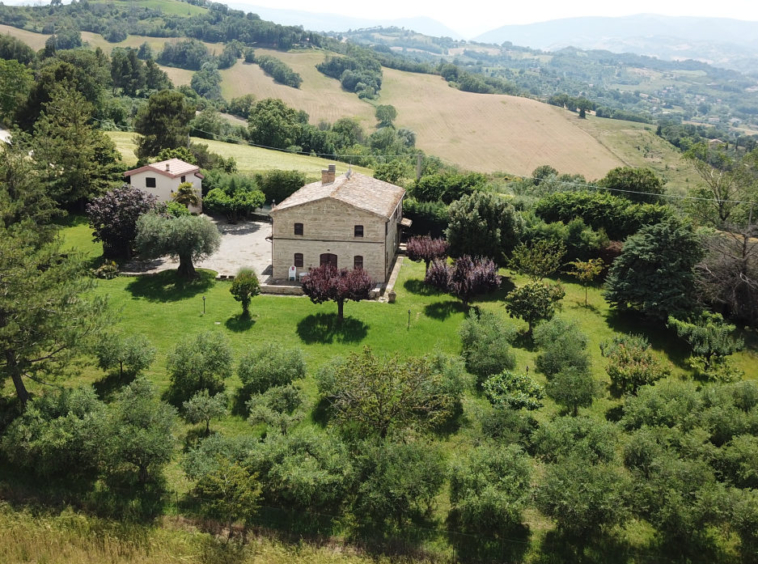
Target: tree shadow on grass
{"x": 415, "y": 286}
{"x": 322, "y": 413}
{"x": 239, "y": 323}
{"x": 111, "y": 383}
{"x": 525, "y": 341}
{"x": 506, "y": 287}
{"x": 660, "y": 337}
{"x": 325, "y": 328}
{"x": 166, "y": 286}
{"x": 511, "y": 547}
{"x": 603, "y": 548}
{"x": 442, "y": 310}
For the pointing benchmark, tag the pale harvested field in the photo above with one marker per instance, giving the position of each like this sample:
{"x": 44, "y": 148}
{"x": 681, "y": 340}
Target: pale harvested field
{"x": 156, "y": 43}
{"x": 478, "y": 132}
{"x": 320, "y": 96}
{"x": 180, "y": 77}
{"x": 34, "y": 40}
{"x": 488, "y": 133}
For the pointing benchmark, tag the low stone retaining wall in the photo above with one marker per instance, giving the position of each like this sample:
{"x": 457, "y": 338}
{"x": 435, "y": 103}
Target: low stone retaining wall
{"x": 281, "y": 290}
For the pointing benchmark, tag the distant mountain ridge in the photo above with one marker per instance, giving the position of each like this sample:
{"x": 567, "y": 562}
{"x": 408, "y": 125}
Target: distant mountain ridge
{"x": 323, "y": 22}
{"x": 723, "y": 42}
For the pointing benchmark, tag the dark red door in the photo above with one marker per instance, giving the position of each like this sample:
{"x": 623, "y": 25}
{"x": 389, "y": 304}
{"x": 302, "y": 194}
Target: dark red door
{"x": 329, "y": 258}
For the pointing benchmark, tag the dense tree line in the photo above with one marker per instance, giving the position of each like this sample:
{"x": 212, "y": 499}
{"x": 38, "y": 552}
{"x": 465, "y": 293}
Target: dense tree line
{"x": 279, "y": 71}
{"x": 360, "y": 73}
{"x": 218, "y": 23}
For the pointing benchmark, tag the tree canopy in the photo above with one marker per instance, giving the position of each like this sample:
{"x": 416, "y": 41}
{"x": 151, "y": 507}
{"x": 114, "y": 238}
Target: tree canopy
{"x": 163, "y": 123}
{"x": 189, "y": 238}
{"x": 655, "y": 272}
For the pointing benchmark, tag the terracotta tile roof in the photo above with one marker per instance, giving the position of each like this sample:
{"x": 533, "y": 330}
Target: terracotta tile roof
{"x": 176, "y": 167}
{"x": 358, "y": 190}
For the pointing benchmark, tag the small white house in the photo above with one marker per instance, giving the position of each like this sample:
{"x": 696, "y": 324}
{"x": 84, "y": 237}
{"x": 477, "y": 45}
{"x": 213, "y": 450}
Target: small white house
{"x": 162, "y": 179}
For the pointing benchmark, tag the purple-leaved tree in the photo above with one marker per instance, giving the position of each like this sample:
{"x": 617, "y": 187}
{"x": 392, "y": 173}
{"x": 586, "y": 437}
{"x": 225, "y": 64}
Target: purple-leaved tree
{"x": 466, "y": 279}
{"x": 327, "y": 283}
{"x": 113, "y": 218}
{"x": 426, "y": 249}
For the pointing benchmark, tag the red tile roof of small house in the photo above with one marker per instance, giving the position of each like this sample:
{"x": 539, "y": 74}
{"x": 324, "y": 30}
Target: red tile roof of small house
{"x": 173, "y": 168}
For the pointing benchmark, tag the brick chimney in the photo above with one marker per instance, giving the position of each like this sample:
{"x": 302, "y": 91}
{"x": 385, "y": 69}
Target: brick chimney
{"x": 327, "y": 176}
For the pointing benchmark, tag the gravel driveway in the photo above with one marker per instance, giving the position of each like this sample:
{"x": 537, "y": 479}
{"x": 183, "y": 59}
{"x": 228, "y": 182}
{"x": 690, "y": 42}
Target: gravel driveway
{"x": 242, "y": 245}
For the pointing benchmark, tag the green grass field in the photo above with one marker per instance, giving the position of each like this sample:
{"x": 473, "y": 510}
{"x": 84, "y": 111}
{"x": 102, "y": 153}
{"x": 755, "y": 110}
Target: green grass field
{"x": 169, "y": 7}
{"x": 249, "y": 159}
{"x": 637, "y": 145}
{"x": 167, "y": 311}
{"x": 420, "y": 321}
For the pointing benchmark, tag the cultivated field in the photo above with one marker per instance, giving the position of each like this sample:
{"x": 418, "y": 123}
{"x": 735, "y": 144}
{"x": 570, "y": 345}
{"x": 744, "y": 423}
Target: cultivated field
{"x": 478, "y": 132}
{"x": 490, "y": 133}
{"x": 320, "y": 96}
{"x": 636, "y": 144}
{"x": 34, "y": 40}
{"x": 485, "y": 133}
{"x": 166, "y": 6}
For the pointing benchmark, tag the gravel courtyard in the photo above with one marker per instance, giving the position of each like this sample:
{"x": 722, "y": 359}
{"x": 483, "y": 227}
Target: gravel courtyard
{"x": 242, "y": 245}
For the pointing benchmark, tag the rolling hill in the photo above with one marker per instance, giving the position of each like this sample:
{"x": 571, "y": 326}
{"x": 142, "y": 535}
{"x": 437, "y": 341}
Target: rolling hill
{"x": 479, "y": 132}
{"x": 724, "y": 42}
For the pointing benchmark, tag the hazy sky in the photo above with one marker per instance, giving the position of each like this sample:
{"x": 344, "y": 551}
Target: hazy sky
{"x": 477, "y": 16}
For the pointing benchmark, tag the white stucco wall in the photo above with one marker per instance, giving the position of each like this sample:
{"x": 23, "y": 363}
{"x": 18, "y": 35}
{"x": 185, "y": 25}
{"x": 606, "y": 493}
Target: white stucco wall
{"x": 166, "y": 186}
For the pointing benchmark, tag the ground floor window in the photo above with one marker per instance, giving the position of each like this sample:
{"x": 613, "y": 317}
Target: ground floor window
{"x": 299, "y": 260}
{"x": 358, "y": 262}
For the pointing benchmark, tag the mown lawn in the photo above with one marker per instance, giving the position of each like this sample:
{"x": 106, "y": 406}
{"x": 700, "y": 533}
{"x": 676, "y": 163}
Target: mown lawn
{"x": 421, "y": 321}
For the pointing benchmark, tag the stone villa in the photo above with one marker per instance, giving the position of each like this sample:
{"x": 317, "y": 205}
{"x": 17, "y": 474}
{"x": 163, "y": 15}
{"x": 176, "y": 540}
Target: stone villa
{"x": 350, "y": 221}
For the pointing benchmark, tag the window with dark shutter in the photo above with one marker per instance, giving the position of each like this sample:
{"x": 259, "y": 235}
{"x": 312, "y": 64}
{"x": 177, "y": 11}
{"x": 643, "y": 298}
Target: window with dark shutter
{"x": 299, "y": 260}
{"x": 358, "y": 232}
{"x": 358, "y": 262}
{"x": 298, "y": 229}
{"x": 149, "y": 182}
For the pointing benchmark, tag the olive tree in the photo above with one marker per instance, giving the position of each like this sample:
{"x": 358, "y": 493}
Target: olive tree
{"x": 199, "y": 363}
{"x": 140, "y": 432}
{"x": 486, "y": 343}
{"x": 189, "y": 238}
{"x": 244, "y": 288}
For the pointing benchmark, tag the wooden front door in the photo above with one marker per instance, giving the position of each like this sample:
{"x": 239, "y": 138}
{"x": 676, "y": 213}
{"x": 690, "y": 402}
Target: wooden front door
{"x": 329, "y": 258}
